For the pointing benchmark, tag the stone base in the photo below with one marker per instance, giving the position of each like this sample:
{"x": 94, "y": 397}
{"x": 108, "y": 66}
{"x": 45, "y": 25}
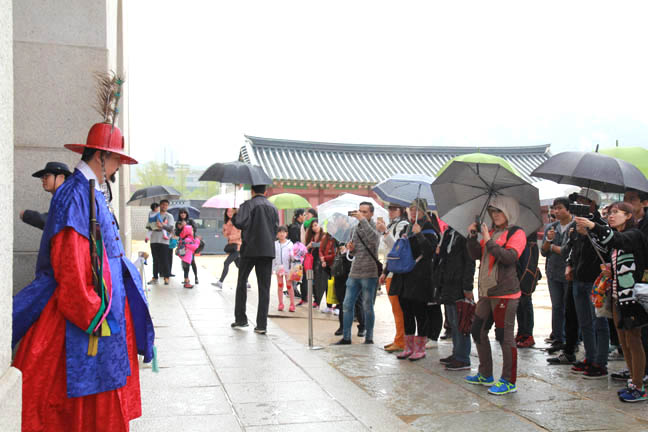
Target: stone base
{"x": 10, "y": 400}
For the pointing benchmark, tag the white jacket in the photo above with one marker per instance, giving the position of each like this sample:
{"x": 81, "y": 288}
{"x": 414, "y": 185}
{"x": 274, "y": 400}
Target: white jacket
{"x": 282, "y": 255}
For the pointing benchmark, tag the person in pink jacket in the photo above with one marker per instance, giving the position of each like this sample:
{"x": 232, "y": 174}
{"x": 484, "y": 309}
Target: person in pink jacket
{"x": 233, "y": 236}
{"x": 187, "y": 245}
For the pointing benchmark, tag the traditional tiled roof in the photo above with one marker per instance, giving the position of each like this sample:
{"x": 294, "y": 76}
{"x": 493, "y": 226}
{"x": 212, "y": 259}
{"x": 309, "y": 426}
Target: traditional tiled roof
{"x": 318, "y": 162}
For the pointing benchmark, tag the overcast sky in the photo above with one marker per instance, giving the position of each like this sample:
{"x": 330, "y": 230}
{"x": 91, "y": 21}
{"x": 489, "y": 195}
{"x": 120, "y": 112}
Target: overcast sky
{"x": 203, "y": 73}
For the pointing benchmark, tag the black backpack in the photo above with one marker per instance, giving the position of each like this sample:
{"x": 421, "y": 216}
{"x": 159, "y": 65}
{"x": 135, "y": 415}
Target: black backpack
{"x": 527, "y": 266}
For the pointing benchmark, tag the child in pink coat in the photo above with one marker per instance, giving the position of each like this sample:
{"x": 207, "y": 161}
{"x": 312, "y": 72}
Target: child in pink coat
{"x": 187, "y": 245}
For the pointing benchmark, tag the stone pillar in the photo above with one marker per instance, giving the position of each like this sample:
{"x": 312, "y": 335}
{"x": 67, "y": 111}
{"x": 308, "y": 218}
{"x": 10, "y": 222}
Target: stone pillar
{"x": 10, "y": 381}
{"x": 58, "y": 46}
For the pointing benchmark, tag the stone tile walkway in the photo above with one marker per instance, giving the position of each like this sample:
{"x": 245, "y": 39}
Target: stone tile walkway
{"x": 216, "y": 378}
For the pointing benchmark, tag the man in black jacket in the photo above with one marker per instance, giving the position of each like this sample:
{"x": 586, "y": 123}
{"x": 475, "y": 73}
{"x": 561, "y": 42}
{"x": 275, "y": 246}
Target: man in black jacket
{"x": 258, "y": 220}
{"x": 583, "y": 267}
{"x": 52, "y": 176}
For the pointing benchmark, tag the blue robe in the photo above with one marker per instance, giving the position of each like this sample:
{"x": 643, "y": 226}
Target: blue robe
{"x": 107, "y": 370}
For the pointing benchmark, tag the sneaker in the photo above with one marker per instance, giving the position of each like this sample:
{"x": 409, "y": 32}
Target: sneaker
{"x": 431, "y": 344}
{"x": 456, "y": 365}
{"x": 291, "y": 308}
{"x": 188, "y": 285}
{"x": 555, "y": 347}
{"x": 343, "y": 342}
{"x": 502, "y": 387}
{"x": 562, "y": 359}
{"x": 628, "y": 384}
{"x": 622, "y": 375}
{"x": 526, "y": 341}
{"x": 579, "y": 367}
{"x": 218, "y": 285}
{"x": 301, "y": 302}
{"x": 280, "y": 308}
{"x": 595, "y": 372}
{"x": 447, "y": 334}
{"x": 338, "y": 332}
{"x": 446, "y": 360}
{"x": 336, "y": 312}
{"x": 479, "y": 379}
{"x": 315, "y": 305}
{"x": 239, "y": 324}
{"x": 259, "y": 330}
{"x": 153, "y": 281}
{"x": 633, "y": 394}
{"x": 361, "y": 332}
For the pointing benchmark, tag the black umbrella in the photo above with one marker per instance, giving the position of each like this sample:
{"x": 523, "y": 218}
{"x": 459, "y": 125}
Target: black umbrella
{"x": 237, "y": 173}
{"x": 194, "y": 213}
{"x": 149, "y": 195}
{"x": 592, "y": 170}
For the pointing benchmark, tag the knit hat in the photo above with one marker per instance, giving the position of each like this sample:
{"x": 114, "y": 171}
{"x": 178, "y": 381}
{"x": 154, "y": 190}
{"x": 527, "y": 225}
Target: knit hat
{"x": 508, "y": 205}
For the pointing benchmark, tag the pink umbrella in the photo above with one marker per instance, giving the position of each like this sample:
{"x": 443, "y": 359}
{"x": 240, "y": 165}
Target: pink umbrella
{"x": 226, "y": 200}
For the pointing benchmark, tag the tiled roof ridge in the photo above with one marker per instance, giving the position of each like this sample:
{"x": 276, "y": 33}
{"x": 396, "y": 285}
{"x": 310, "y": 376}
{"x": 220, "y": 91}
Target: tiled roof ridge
{"x": 365, "y": 148}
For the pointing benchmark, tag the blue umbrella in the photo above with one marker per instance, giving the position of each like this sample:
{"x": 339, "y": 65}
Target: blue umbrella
{"x": 402, "y": 189}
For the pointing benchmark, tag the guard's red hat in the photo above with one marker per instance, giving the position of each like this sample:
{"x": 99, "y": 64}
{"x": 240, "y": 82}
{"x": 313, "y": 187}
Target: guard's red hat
{"x": 106, "y": 137}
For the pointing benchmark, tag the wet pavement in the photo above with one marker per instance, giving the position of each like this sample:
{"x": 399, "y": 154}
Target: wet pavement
{"x": 215, "y": 378}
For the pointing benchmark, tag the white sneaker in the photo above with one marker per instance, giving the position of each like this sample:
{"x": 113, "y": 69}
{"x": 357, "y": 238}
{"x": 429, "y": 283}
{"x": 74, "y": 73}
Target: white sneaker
{"x": 336, "y": 312}
{"x": 431, "y": 344}
{"x": 218, "y": 285}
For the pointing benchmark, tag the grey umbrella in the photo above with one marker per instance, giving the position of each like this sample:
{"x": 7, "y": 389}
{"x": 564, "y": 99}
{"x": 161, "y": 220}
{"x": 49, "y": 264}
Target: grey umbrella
{"x": 464, "y": 190}
{"x": 592, "y": 170}
{"x": 149, "y": 195}
{"x": 237, "y": 173}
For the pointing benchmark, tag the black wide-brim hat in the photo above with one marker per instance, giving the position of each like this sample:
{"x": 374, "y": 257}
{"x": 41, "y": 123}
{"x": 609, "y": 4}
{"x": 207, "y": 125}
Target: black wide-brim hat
{"x": 55, "y": 168}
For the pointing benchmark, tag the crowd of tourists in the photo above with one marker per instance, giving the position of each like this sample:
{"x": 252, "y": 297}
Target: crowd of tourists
{"x": 435, "y": 291}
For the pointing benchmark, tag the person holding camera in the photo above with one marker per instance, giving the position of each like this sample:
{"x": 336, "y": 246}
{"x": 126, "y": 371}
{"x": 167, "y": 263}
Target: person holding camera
{"x": 583, "y": 267}
{"x": 364, "y": 272}
{"x": 629, "y": 261}
{"x": 499, "y": 292}
{"x": 554, "y": 240}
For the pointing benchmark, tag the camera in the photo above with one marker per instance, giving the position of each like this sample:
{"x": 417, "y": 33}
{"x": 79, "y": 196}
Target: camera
{"x": 580, "y": 210}
{"x": 352, "y": 212}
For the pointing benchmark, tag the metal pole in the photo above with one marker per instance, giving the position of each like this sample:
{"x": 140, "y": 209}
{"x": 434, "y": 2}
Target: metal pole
{"x": 309, "y": 282}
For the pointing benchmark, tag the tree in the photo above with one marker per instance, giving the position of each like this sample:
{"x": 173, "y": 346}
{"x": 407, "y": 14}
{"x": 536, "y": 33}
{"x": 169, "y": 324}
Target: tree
{"x": 153, "y": 174}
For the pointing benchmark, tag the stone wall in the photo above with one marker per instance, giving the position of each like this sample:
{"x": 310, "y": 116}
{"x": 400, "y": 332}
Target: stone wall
{"x": 10, "y": 380}
{"x": 58, "y": 46}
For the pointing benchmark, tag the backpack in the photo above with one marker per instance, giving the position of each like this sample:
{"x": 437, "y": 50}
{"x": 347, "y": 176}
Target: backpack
{"x": 527, "y": 265}
{"x": 400, "y": 259}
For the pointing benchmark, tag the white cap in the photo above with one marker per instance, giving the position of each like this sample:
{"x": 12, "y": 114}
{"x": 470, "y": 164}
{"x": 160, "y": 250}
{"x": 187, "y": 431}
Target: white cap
{"x": 590, "y": 194}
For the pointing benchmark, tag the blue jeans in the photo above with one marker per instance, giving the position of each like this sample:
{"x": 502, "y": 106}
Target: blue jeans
{"x": 460, "y": 342}
{"x": 353, "y": 288}
{"x": 595, "y": 331}
{"x": 557, "y": 290}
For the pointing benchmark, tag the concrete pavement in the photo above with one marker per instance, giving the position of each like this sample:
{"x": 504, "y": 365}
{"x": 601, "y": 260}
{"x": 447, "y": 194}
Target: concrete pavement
{"x": 216, "y": 378}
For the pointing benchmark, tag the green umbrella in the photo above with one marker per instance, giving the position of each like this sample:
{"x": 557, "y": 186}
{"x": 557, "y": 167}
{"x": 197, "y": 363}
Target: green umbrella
{"x": 479, "y": 158}
{"x": 285, "y": 201}
{"x": 637, "y": 156}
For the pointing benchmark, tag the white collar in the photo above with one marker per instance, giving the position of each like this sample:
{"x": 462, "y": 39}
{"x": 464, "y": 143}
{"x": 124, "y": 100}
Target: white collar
{"x": 88, "y": 173}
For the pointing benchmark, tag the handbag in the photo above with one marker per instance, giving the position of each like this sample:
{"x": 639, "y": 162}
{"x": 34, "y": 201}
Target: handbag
{"x": 378, "y": 263}
{"x": 173, "y": 243}
{"x": 181, "y": 250}
{"x": 331, "y": 298}
{"x": 466, "y": 315}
